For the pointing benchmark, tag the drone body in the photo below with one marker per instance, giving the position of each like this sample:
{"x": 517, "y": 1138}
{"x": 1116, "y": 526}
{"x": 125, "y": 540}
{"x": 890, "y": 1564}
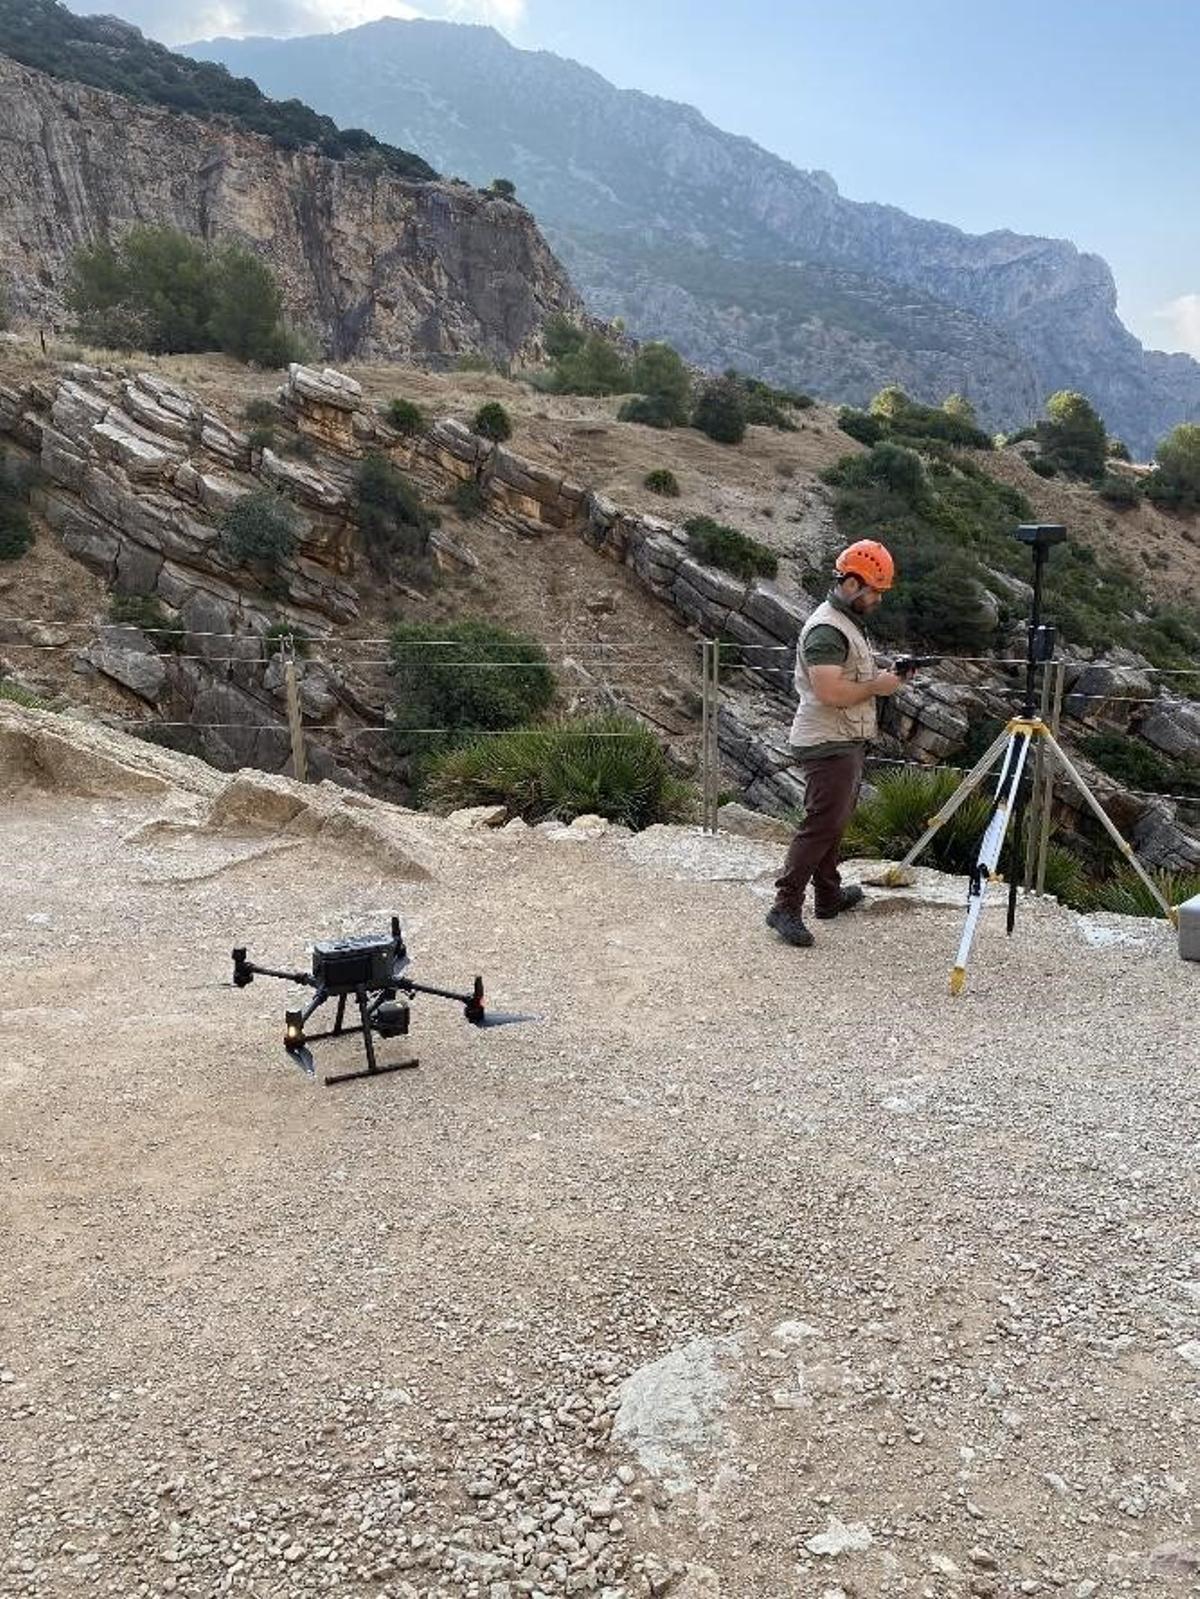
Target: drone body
{"x": 372, "y": 971}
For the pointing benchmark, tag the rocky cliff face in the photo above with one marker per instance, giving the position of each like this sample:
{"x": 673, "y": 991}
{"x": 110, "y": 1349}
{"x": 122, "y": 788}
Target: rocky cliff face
{"x": 374, "y": 266}
{"x": 630, "y": 187}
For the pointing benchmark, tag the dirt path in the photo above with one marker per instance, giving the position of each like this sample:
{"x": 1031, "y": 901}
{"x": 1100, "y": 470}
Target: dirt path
{"x": 262, "y": 1337}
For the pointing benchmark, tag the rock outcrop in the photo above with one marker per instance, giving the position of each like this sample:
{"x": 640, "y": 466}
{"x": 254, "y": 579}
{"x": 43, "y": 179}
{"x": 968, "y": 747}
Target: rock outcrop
{"x": 137, "y": 472}
{"x": 370, "y": 265}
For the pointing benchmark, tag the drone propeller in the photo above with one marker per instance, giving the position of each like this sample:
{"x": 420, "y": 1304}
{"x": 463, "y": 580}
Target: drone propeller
{"x": 295, "y": 1045}
{"x": 303, "y": 1057}
{"x": 499, "y": 1018}
{"x": 479, "y": 1016}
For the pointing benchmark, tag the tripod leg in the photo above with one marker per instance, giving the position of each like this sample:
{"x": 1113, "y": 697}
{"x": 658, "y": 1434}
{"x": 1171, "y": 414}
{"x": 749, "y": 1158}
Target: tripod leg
{"x": 989, "y": 850}
{"x": 1110, "y": 827}
{"x": 897, "y": 874}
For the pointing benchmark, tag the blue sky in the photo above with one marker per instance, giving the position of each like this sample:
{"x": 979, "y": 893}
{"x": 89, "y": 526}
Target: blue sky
{"x": 1074, "y": 118}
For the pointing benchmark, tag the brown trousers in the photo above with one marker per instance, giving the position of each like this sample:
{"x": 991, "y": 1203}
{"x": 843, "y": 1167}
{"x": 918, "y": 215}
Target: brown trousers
{"x": 830, "y": 793}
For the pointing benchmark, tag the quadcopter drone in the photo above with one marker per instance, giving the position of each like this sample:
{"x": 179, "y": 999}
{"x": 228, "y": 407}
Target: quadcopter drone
{"x": 372, "y": 970}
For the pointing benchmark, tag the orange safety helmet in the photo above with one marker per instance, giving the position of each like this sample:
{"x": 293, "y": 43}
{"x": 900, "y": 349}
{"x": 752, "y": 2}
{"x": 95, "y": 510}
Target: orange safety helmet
{"x": 869, "y": 560}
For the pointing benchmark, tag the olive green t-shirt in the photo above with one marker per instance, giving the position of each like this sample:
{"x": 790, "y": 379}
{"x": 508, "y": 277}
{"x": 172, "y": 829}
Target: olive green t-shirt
{"x": 827, "y": 646}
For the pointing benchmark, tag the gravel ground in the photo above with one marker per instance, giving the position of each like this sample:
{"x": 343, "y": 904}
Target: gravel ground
{"x": 746, "y": 1272}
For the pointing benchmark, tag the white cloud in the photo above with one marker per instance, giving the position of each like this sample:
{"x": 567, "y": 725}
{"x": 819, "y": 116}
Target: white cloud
{"x": 184, "y": 20}
{"x": 503, "y": 13}
{"x": 1182, "y": 317}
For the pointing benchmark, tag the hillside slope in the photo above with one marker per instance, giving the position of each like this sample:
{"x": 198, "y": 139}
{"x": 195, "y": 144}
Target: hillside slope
{"x": 138, "y": 465}
{"x": 735, "y": 255}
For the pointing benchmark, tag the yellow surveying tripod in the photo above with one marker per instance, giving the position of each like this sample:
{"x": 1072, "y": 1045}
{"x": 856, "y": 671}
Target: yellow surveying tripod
{"x": 1014, "y": 745}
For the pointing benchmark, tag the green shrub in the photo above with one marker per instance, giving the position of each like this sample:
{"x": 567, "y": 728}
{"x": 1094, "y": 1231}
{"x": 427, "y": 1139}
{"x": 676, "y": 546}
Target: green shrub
{"x": 300, "y": 446}
{"x": 474, "y": 361}
{"x": 273, "y": 640}
{"x": 246, "y": 320}
{"x": 950, "y": 423}
{"x": 394, "y": 521}
{"x": 664, "y": 384}
{"x": 595, "y": 367}
{"x": 718, "y": 545}
{"x": 1135, "y": 764}
{"x": 151, "y": 291}
{"x": 1117, "y": 451}
{"x": 406, "y": 417}
{"x": 662, "y": 481}
{"x": 1127, "y": 895}
{"x": 765, "y": 405}
{"x": 18, "y": 694}
{"x": 16, "y": 535}
{"x": 610, "y": 766}
{"x": 1119, "y": 490}
{"x": 1072, "y": 435}
{"x": 891, "y": 820}
{"x": 1177, "y": 477}
{"x": 491, "y": 422}
{"x": 261, "y": 438}
{"x": 468, "y": 498}
{"x": 982, "y": 733}
{"x": 1066, "y": 874}
{"x": 261, "y": 411}
{"x": 1043, "y": 466}
{"x": 505, "y": 188}
{"x": 146, "y": 612}
{"x": 259, "y": 529}
{"x": 652, "y": 411}
{"x": 888, "y": 823}
{"x": 561, "y": 336}
{"x": 866, "y": 429}
{"x": 959, "y": 407}
{"x": 721, "y": 412}
{"x": 160, "y": 290}
{"x": 454, "y": 679}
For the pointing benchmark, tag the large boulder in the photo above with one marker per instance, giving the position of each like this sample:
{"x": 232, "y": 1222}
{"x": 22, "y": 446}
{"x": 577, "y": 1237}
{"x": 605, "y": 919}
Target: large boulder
{"x": 1174, "y": 728}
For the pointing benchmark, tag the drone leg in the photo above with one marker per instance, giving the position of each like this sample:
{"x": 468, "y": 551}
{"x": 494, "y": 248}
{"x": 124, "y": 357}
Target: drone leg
{"x": 373, "y": 1069}
{"x": 368, "y": 1041}
{"x": 341, "y": 1013}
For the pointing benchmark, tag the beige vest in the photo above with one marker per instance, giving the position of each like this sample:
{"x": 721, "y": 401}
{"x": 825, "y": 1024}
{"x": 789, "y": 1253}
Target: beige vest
{"x": 815, "y": 723}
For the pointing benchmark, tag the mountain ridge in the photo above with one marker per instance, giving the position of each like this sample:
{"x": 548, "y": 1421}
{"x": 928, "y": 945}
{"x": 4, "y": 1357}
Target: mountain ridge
{"x": 586, "y": 155}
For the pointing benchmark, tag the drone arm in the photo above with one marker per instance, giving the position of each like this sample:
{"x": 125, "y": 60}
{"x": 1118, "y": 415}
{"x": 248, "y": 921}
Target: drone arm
{"x": 411, "y": 987}
{"x": 314, "y": 1003}
{"x": 473, "y": 1006}
{"x": 245, "y": 971}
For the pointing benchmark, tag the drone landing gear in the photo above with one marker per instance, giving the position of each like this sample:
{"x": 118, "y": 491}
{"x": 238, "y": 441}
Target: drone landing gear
{"x": 380, "y": 1015}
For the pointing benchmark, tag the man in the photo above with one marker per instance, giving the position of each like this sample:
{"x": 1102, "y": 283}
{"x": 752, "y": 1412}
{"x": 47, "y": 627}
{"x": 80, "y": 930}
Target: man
{"x": 837, "y": 683}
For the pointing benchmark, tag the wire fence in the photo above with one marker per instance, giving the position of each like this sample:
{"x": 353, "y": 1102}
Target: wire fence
{"x": 621, "y": 664}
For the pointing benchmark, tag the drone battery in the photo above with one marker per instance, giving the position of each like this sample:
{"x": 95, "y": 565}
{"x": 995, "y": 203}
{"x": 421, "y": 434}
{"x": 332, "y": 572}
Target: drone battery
{"x": 348, "y": 964}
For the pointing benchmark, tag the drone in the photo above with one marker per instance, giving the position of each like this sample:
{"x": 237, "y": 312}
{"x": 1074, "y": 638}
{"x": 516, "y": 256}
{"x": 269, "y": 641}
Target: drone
{"x": 371, "y": 970}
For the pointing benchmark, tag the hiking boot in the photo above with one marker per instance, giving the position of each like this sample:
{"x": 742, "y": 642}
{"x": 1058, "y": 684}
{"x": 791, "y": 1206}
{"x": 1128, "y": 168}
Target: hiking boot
{"x": 847, "y": 900}
{"x": 790, "y": 927}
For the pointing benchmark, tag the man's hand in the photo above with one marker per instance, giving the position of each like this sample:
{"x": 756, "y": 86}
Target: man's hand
{"x": 832, "y": 687}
